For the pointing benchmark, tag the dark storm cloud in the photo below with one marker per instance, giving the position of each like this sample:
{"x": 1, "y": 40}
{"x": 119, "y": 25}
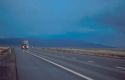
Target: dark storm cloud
{"x": 49, "y": 18}
{"x": 115, "y": 19}
{"x": 118, "y": 22}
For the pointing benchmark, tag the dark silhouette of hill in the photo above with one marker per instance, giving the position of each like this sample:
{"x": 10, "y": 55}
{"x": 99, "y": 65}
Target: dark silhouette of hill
{"x": 51, "y": 43}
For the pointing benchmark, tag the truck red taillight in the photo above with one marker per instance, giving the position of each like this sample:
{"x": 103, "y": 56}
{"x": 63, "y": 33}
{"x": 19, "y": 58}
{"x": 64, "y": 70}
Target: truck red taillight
{"x": 22, "y": 46}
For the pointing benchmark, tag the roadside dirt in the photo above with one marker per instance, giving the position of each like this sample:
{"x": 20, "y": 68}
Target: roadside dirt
{"x": 112, "y": 53}
{"x": 7, "y": 64}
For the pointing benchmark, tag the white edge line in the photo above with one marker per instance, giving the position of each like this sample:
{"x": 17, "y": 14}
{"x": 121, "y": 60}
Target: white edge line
{"x": 121, "y": 68}
{"x": 65, "y": 68}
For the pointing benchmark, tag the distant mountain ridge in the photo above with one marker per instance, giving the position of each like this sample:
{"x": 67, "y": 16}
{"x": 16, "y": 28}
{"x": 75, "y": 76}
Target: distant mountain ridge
{"x": 51, "y": 43}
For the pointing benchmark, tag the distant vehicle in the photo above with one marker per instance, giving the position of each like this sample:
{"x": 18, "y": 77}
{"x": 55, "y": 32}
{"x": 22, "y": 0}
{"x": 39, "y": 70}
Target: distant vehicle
{"x": 25, "y": 44}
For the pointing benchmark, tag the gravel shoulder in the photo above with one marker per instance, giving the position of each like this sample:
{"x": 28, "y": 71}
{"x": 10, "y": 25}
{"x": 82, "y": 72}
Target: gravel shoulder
{"x": 7, "y": 64}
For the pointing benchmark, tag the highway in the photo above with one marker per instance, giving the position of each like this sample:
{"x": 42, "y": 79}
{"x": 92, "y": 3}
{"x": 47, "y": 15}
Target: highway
{"x": 37, "y": 64}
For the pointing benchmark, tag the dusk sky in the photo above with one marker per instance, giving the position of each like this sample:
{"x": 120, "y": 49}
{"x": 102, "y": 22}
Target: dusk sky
{"x": 95, "y": 21}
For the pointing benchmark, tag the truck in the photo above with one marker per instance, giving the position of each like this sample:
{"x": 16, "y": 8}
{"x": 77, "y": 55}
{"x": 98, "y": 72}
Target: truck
{"x": 25, "y": 44}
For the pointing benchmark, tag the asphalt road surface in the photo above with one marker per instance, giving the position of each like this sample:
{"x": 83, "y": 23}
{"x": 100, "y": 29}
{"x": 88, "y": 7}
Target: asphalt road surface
{"x": 36, "y": 64}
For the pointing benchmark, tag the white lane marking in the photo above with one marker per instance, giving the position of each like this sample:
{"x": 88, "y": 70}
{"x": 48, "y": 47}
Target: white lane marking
{"x": 120, "y": 68}
{"x": 63, "y": 56}
{"x": 65, "y": 68}
{"x": 74, "y": 58}
{"x": 90, "y": 61}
